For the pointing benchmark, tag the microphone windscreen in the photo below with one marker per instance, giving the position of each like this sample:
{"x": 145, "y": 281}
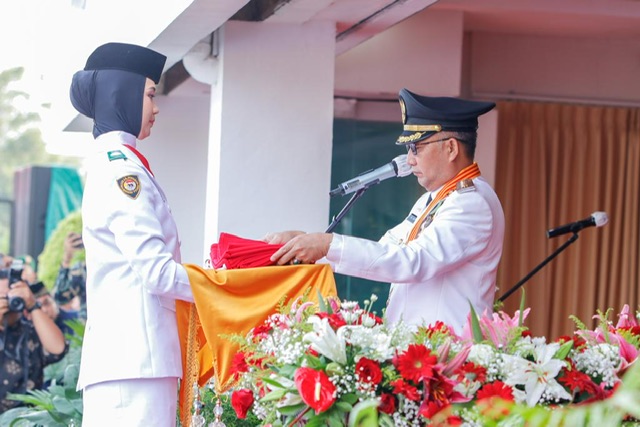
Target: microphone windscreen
{"x": 600, "y": 218}
{"x": 403, "y": 168}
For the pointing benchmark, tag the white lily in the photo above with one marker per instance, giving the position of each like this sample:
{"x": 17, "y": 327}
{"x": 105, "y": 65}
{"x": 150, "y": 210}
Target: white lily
{"x": 325, "y": 341}
{"x": 538, "y": 377}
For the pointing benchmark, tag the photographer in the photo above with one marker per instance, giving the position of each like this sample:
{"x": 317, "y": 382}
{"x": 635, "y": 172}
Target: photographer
{"x": 70, "y": 286}
{"x": 26, "y": 345}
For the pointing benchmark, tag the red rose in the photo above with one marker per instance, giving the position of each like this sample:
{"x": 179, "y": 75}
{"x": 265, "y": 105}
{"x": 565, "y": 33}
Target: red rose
{"x": 368, "y": 371}
{"x": 241, "y": 401}
{"x": 387, "y": 403}
{"x": 315, "y": 388}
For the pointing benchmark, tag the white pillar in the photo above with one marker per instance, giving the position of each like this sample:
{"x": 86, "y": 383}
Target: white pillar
{"x": 271, "y": 126}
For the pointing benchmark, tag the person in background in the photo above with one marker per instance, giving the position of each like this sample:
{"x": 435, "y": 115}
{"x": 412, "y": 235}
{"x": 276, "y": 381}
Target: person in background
{"x": 445, "y": 254}
{"x": 51, "y": 309}
{"x": 131, "y": 358}
{"x": 29, "y": 341}
{"x": 70, "y": 291}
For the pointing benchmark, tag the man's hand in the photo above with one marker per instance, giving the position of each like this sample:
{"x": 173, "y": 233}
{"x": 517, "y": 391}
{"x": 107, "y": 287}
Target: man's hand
{"x": 22, "y": 290}
{"x": 281, "y": 237}
{"x": 303, "y": 249}
{"x": 72, "y": 244}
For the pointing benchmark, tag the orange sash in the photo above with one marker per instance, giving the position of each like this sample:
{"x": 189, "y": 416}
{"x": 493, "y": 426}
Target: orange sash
{"x": 470, "y": 172}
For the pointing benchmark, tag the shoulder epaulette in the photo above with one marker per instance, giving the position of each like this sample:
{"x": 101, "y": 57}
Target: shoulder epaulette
{"x": 465, "y": 185}
{"x": 116, "y": 155}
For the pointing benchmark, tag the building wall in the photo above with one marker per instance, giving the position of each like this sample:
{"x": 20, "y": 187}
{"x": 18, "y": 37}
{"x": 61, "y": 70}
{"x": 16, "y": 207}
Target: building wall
{"x": 177, "y": 152}
{"x": 593, "y": 70}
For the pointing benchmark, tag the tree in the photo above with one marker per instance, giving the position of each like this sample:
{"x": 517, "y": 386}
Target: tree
{"x": 21, "y": 145}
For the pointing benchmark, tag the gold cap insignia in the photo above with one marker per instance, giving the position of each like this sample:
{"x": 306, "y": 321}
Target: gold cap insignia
{"x": 403, "y": 109}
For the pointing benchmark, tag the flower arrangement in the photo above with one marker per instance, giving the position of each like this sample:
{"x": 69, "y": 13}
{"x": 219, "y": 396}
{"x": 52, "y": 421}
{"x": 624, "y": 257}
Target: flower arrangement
{"x": 339, "y": 364}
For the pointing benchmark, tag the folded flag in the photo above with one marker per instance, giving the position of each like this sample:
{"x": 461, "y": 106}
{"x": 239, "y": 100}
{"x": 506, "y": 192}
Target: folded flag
{"x": 235, "y": 252}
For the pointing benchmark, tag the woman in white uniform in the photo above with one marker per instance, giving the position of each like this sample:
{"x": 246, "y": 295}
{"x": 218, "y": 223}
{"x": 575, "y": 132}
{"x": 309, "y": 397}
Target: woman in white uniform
{"x": 131, "y": 356}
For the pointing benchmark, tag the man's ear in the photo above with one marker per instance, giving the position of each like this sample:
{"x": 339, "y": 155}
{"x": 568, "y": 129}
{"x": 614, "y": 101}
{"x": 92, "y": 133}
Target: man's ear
{"x": 453, "y": 148}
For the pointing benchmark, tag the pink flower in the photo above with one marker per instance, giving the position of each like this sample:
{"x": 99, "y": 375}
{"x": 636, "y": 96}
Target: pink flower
{"x": 625, "y": 320}
{"x": 496, "y": 328}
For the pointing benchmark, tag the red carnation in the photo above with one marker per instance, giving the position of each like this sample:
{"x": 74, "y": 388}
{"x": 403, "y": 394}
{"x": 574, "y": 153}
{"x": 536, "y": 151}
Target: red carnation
{"x": 416, "y": 363}
{"x": 409, "y": 391}
{"x": 241, "y": 401}
{"x": 496, "y": 389}
{"x": 315, "y": 388}
{"x": 336, "y": 320}
{"x": 473, "y": 372}
{"x": 239, "y": 365}
{"x": 387, "y": 403}
{"x": 261, "y": 332}
{"x": 368, "y": 371}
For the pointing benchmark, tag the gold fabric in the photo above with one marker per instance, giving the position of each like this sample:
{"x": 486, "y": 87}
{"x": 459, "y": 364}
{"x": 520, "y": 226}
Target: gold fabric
{"x": 556, "y": 164}
{"x": 233, "y": 302}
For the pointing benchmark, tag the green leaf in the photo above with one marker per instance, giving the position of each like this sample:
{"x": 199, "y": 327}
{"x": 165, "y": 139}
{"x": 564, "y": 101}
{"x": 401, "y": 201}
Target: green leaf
{"x": 475, "y": 325}
{"x": 274, "y": 395}
{"x": 343, "y": 406}
{"x": 322, "y": 304}
{"x": 291, "y": 409}
{"x": 364, "y": 414}
{"x": 350, "y": 398}
{"x": 317, "y": 421}
{"x": 564, "y": 350}
{"x": 272, "y": 382}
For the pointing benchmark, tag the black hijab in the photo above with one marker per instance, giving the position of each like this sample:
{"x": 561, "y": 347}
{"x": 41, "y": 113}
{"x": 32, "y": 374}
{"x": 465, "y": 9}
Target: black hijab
{"x": 112, "y": 98}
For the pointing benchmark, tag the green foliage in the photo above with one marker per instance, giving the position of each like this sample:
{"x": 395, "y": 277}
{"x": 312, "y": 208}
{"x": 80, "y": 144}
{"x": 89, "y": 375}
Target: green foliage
{"x": 51, "y": 256}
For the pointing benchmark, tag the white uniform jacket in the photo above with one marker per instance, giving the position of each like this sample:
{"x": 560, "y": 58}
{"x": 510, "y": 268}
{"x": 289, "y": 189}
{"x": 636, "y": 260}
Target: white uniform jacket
{"x": 134, "y": 273}
{"x": 452, "y": 262}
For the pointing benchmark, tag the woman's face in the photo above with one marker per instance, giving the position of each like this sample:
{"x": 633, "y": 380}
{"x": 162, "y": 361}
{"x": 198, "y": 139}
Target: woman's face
{"x": 149, "y": 109}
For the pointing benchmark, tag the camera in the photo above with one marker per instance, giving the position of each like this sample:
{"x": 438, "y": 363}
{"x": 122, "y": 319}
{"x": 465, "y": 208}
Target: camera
{"x": 14, "y": 274}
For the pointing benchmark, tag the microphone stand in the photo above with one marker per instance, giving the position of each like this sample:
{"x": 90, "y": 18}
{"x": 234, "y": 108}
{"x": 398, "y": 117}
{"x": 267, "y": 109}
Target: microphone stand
{"x": 336, "y": 219}
{"x": 542, "y": 264}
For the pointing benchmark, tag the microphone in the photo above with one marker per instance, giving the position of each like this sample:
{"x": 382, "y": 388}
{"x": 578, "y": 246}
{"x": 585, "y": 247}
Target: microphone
{"x": 396, "y": 167}
{"x": 597, "y": 218}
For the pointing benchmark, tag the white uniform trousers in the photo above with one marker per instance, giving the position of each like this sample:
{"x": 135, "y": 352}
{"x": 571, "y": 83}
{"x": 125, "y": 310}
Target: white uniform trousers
{"x": 131, "y": 403}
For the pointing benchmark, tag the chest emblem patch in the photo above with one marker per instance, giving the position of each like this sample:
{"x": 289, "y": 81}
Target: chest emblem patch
{"x": 130, "y": 185}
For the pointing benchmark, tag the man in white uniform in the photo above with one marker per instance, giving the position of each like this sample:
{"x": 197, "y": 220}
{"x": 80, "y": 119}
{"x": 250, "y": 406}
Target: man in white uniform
{"x": 445, "y": 254}
{"x": 131, "y": 358}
